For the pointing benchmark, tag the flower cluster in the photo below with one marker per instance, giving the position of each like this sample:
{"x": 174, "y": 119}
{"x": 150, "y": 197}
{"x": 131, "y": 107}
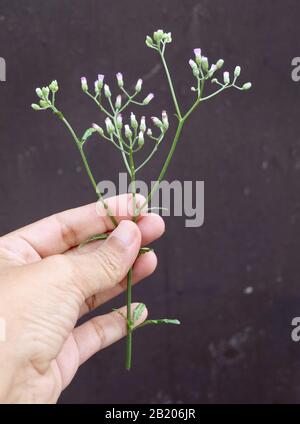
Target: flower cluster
{"x": 159, "y": 39}
{"x": 202, "y": 71}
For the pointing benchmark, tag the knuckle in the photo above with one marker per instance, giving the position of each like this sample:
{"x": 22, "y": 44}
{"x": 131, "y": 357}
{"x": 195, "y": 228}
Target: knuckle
{"x": 100, "y": 332}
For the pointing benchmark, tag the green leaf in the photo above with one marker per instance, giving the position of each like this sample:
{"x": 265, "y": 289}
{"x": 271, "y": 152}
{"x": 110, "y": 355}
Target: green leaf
{"x": 94, "y": 238}
{"x": 87, "y": 134}
{"x": 138, "y": 311}
{"x": 162, "y": 321}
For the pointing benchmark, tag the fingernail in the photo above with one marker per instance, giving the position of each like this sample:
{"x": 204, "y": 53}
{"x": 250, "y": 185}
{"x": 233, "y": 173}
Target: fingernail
{"x": 126, "y": 232}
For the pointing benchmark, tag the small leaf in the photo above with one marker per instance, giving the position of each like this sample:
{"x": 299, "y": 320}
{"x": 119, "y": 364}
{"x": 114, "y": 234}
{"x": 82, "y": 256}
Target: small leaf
{"x": 87, "y": 134}
{"x": 162, "y": 321}
{"x": 144, "y": 250}
{"x": 94, "y": 238}
{"x": 138, "y": 311}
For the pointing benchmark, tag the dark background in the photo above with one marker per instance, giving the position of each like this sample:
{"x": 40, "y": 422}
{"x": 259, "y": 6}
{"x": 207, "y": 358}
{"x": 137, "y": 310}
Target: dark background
{"x": 232, "y": 347}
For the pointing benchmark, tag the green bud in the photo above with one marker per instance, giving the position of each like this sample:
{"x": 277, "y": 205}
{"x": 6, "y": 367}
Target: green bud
{"x": 39, "y": 92}
{"x": 167, "y": 37}
{"x": 220, "y": 63}
{"x": 107, "y": 91}
{"x": 35, "y": 106}
{"x": 118, "y": 103}
{"x": 119, "y": 121}
{"x": 158, "y": 35}
{"x": 149, "y": 41}
{"x": 237, "y": 71}
{"x": 226, "y": 78}
{"x": 98, "y": 129}
{"x": 247, "y": 86}
{"x": 45, "y": 91}
{"x": 133, "y": 122}
{"x": 128, "y": 132}
{"x": 141, "y": 140}
{"x": 138, "y": 86}
{"x": 204, "y": 63}
{"x": 44, "y": 104}
{"x": 54, "y": 86}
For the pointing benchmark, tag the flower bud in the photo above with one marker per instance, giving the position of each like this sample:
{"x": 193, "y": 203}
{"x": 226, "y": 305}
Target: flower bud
{"x": 100, "y": 81}
{"x": 193, "y": 64}
{"x": 157, "y": 122}
{"x": 149, "y": 132}
{"x": 167, "y": 37}
{"x": 128, "y": 132}
{"x": 54, "y": 86}
{"x": 45, "y": 91}
{"x": 158, "y": 35}
{"x": 226, "y": 78}
{"x": 44, "y": 104}
{"x": 107, "y": 91}
{"x": 165, "y": 120}
{"x": 98, "y": 129}
{"x": 220, "y": 63}
{"x": 247, "y": 86}
{"x": 149, "y": 41}
{"x": 237, "y": 71}
{"x": 118, "y": 103}
{"x": 35, "y": 106}
{"x": 143, "y": 124}
{"x": 133, "y": 122}
{"x": 138, "y": 86}
{"x": 214, "y": 80}
{"x": 196, "y": 72}
{"x": 84, "y": 84}
{"x": 204, "y": 63}
{"x": 141, "y": 139}
{"x": 148, "y": 99}
{"x": 39, "y": 92}
{"x": 197, "y": 53}
{"x": 119, "y": 121}
{"x": 212, "y": 70}
{"x": 109, "y": 126}
{"x": 120, "y": 80}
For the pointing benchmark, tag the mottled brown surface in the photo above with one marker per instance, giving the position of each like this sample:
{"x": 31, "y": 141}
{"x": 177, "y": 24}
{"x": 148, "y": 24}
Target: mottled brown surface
{"x": 231, "y": 347}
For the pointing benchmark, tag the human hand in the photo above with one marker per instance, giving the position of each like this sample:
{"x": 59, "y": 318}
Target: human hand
{"x": 47, "y": 283}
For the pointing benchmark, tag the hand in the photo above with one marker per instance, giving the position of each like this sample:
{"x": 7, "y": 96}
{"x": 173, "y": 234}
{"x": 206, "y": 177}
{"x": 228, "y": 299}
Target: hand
{"x": 47, "y": 283}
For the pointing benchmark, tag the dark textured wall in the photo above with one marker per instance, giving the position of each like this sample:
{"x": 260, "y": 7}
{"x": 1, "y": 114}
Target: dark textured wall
{"x": 232, "y": 347}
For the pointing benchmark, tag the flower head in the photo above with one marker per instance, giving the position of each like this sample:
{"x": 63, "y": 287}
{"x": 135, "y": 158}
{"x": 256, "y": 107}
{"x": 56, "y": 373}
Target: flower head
{"x": 143, "y": 124}
{"x": 133, "y": 122}
{"x": 148, "y": 99}
{"x": 120, "y": 80}
{"x": 107, "y": 91}
{"x": 138, "y": 86}
{"x": 197, "y": 53}
{"x": 98, "y": 129}
{"x": 109, "y": 126}
{"x": 84, "y": 84}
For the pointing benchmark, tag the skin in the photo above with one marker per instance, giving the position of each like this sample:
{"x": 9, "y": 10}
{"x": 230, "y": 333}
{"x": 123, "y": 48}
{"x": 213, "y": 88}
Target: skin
{"x": 47, "y": 283}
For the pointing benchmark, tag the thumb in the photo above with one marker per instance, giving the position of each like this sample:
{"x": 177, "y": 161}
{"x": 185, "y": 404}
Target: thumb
{"x": 101, "y": 269}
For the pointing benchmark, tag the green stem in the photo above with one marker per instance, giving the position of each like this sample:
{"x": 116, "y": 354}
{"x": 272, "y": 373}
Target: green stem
{"x": 170, "y": 85}
{"x": 86, "y": 165}
{"x": 129, "y": 275}
{"x": 129, "y": 322}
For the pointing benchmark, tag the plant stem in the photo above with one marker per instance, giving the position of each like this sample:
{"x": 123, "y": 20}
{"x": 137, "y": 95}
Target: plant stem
{"x": 170, "y": 85}
{"x": 129, "y": 323}
{"x": 86, "y": 165}
{"x": 129, "y": 275}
